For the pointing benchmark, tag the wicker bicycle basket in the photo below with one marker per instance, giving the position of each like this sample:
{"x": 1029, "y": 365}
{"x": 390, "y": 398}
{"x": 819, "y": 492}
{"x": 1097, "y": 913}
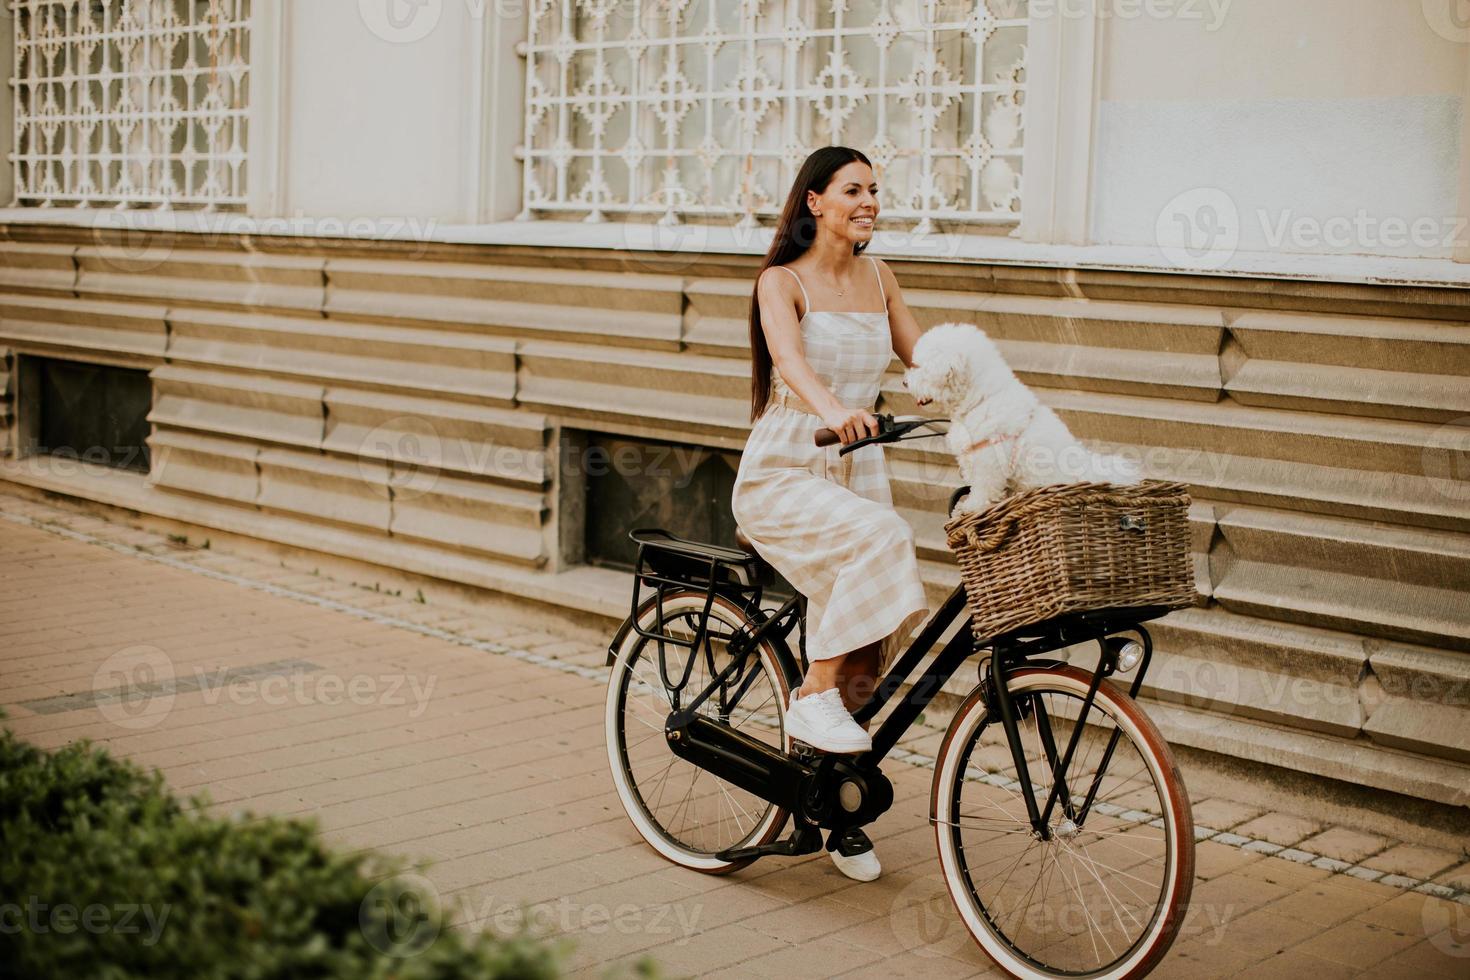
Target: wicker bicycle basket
{"x": 1071, "y": 547}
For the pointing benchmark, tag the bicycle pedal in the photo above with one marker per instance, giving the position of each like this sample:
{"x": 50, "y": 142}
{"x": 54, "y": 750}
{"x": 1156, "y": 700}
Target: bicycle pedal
{"x": 801, "y": 750}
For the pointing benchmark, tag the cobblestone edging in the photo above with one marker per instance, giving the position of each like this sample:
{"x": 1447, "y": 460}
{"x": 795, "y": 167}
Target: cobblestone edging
{"x": 1256, "y": 845}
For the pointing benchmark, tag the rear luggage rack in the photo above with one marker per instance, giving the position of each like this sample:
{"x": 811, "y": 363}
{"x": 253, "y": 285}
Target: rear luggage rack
{"x": 694, "y": 561}
{"x": 670, "y": 563}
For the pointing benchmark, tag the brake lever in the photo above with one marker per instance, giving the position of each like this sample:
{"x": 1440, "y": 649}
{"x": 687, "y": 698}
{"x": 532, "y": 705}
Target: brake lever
{"x": 922, "y": 435}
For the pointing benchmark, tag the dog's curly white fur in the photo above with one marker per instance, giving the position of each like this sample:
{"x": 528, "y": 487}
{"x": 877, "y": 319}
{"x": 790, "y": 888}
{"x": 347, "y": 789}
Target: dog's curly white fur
{"x": 1004, "y": 439}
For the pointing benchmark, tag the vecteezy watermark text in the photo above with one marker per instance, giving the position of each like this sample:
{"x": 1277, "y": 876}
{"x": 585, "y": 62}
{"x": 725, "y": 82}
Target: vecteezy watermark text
{"x": 65, "y": 918}
{"x": 400, "y": 916}
{"x": 1203, "y": 228}
{"x": 1210, "y": 14}
{"x": 136, "y": 687}
{"x": 566, "y": 916}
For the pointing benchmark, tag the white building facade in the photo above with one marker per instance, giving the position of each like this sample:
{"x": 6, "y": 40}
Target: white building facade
{"x": 1164, "y": 126}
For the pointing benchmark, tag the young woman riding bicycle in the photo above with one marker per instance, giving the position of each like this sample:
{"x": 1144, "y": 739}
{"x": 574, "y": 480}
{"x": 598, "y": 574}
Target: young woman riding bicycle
{"x": 825, "y": 323}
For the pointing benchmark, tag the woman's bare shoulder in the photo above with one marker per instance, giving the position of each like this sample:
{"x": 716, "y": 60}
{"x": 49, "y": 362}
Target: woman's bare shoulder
{"x": 889, "y": 279}
{"x": 776, "y": 280}
{"x": 782, "y": 272}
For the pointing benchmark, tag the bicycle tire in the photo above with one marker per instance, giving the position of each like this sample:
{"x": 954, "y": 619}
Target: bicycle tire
{"x": 1011, "y": 938}
{"x": 642, "y": 800}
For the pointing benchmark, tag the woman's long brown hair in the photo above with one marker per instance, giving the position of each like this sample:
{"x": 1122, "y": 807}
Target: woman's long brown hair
{"x": 795, "y": 232}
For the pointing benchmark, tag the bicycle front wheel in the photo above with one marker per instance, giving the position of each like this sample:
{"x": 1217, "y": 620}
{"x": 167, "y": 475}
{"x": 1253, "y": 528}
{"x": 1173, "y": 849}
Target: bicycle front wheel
{"x": 1104, "y": 895}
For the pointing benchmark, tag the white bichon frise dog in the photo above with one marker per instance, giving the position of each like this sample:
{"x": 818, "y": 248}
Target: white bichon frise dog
{"x": 1004, "y": 439}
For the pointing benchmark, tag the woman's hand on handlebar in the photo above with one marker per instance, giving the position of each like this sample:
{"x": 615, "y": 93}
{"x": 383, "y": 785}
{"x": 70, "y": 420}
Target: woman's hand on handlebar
{"x": 851, "y": 424}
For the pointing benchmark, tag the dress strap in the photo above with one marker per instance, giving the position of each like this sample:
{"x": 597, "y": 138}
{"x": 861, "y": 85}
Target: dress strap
{"x": 879, "y": 273}
{"x": 804, "y": 297}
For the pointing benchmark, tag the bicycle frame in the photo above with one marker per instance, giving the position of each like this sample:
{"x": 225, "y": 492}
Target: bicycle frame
{"x": 1007, "y": 653}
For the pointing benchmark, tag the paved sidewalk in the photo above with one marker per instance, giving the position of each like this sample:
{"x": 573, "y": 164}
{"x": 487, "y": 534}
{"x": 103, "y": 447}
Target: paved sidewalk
{"x": 476, "y": 744}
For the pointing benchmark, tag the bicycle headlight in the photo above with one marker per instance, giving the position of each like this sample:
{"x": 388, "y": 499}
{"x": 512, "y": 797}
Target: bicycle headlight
{"x": 1128, "y": 655}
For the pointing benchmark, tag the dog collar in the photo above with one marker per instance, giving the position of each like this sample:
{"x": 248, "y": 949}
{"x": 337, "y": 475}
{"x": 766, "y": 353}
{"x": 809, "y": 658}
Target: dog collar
{"x": 993, "y": 440}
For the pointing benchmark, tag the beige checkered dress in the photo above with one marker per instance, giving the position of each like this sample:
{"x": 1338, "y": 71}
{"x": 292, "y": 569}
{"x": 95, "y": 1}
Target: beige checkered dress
{"x": 826, "y": 522}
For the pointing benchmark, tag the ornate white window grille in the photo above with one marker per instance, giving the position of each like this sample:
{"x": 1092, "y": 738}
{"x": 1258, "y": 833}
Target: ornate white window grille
{"x": 708, "y": 107}
{"x": 131, "y": 102}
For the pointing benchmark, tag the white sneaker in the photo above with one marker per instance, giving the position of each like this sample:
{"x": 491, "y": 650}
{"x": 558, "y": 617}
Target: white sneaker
{"x": 855, "y": 857}
{"x": 821, "y": 720}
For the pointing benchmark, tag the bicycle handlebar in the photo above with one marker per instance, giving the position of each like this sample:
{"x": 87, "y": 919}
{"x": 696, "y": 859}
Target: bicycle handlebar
{"x": 889, "y": 430}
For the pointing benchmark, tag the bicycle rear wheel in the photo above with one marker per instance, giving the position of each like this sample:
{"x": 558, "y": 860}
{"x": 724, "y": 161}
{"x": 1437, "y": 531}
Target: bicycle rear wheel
{"x": 1104, "y": 896}
{"x": 685, "y": 813}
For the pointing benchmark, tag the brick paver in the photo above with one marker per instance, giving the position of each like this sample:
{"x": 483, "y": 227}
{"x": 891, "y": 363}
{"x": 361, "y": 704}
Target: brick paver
{"x": 1284, "y": 829}
{"x": 491, "y": 768}
{"x": 1345, "y": 844}
{"x": 1415, "y": 861}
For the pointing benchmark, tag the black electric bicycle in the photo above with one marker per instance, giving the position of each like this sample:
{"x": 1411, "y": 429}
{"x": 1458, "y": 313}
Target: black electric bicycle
{"x": 1064, "y": 830}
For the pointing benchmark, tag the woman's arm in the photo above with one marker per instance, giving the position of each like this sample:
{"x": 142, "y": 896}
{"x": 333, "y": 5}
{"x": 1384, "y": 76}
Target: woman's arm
{"x": 777, "y": 300}
{"x": 901, "y": 322}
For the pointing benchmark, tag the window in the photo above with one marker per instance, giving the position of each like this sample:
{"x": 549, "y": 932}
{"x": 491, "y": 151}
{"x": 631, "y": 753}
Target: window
{"x": 641, "y": 483}
{"x": 91, "y": 413}
{"x": 142, "y": 102}
{"x": 708, "y": 107}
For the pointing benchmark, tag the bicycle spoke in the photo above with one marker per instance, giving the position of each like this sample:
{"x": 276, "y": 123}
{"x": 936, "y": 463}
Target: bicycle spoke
{"x": 735, "y": 805}
{"x": 663, "y": 779}
{"x": 1092, "y": 862}
{"x": 1120, "y": 871}
{"x": 657, "y": 726}
{"x": 1092, "y": 933}
{"x": 1091, "y": 867}
{"x": 1119, "y": 843}
{"x": 679, "y": 810}
{"x": 1023, "y": 906}
{"x": 695, "y": 811}
{"x": 1021, "y": 857}
{"x": 1009, "y": 815}
{"x": 1104, "y": 878}
{"x": 970, "y": 821}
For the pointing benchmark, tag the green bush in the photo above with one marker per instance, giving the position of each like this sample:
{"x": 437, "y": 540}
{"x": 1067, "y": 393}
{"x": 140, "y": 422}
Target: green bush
{"x": 105, "y": 874}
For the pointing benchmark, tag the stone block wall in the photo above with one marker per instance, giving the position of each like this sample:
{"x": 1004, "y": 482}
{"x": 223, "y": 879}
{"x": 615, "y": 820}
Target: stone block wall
{"x": 410, "y": 405}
